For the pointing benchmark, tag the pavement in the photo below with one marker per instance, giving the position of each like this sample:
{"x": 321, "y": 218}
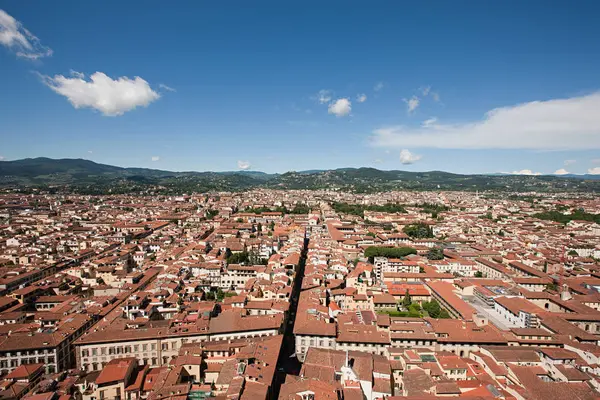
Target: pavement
{"x": 489, "y": 312}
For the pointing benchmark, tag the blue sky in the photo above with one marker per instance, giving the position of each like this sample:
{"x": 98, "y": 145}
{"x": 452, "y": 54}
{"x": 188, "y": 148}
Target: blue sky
{"x": 461, "y": 86}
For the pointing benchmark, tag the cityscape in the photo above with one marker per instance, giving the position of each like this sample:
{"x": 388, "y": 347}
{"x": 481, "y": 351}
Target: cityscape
{"x": 316, "y": 201}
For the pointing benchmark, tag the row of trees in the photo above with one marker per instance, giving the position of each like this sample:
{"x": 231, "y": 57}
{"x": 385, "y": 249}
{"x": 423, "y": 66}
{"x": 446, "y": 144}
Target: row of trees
{"x": 391, "y": 252}
{"x": 298, "y": 209}
{"x": 359, "y": 209}
{"x": 576, "y": 215}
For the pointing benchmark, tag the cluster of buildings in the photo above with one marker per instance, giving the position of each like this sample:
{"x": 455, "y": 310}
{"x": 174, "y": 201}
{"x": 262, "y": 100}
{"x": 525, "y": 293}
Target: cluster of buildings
{"x": 273, "y": 294}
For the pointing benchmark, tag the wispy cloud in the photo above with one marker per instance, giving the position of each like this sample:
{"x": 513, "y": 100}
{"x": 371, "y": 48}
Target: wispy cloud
{"x": 361, "y": 98}
{"x": 16, "y": 38}
{"x": 244, "y": 165}
{"x": 155, "y": 158}
{"x": 165, "y": 87}
{"x": 412, "y": 104}
{"x": 571, "y": 123}
{"x": 112, "y": 97}
{"x": 428, "y": 123}
{"x": 569, "y": 162}
{"x": 323, "y": 96}
{"x": 378, "y": 86}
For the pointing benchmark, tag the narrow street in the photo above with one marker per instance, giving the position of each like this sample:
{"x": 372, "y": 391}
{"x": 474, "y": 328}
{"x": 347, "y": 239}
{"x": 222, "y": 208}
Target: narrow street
{"x": 287, "y": 363}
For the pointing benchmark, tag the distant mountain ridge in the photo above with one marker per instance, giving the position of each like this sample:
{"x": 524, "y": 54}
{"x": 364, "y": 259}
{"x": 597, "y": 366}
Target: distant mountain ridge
{"x": 81, "y": 173}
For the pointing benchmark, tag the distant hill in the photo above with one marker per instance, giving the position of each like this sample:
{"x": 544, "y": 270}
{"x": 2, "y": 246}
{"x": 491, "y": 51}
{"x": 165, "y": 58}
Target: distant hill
{"x": 89, "y": 177}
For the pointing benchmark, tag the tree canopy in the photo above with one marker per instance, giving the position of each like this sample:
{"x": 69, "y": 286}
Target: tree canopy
{"x": 577, "y": 215}
{"x": 391, "y": 252}
{"x": 418, "y": 231}
{"x": 436, "y": 253}
{"x": 359, "y": 209}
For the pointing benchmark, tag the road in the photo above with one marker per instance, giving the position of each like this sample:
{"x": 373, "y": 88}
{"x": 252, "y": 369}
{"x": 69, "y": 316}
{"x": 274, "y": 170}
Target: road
{"x": 288, "y": 364}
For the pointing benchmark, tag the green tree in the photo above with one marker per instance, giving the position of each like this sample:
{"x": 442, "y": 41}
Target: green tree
{"x": 552, "y": 287}
{"x": 238, "y": 258}
{"x": 436, "y": 253}
{"x": 433, "y": 308}
{"x": 478, "y": 274}
{"x": 418, "y": 231}
{"x": 391, "y": 252}
{"x": 414, "y": 310}
{"x": 406, "y": 302}
{"x": 359, "y": 209}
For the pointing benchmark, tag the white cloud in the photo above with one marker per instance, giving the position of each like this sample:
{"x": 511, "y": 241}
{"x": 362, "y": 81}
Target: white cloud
{"x": 425, "y": 90}
{"x": 561, "y": 171}
{"x": 428, "y": 123}
{"x": 569, "y": 162}
{"x": 361, "y": 98}
{"x": 324, "y": 96}
{"x": 340, "y": 107}
{"x": 14, "y": 36}
{"x": 594, "y": 171}
{"x": 155, "y": 158}
{"x": 110, "y": 97}
{"x": 90, "y": 151}
{"x": 412, "y": 104}
{"x": 378, "y": 86}
{"x": 244, "y": 164}
{"x": 406, "y": 157}
{"x": 165, "y": 87}
{"x": 2, "y": 158}
{"x": 525, "y": 172}
{"x": 435, "y": 96}
{"x": 572, "y": 123}
{"x": 378, "y": 161}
